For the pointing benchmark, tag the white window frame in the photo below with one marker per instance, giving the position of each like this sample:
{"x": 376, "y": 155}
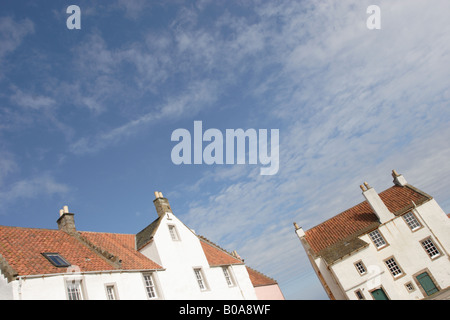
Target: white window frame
{"x": 228, "y": 276}
{"x": 150, "y": 285}
{"x": 74, "y": 289}
{"x": 360, "y": 267}
{"x": 430, "y": 248}
{"x": 200, "y": 278}
{"x": 173, "y": 232}
{"x": 111, "y": 291}
{"x": 378, "y": 240}
{"x": 394, "y": 268}
{"x": 412, "y": 221}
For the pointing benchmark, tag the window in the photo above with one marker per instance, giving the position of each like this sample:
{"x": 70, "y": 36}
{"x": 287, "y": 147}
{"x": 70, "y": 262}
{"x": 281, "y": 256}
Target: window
{"x": 149, "y": 286}
{"x": 360, "y": 267}
{"x": 393, "y": 267}
{"x": 228, "y": 277}
{"x": 377, "y": 239}
{"x": 412, "y": 221}
{"x": 410, "y": 287}
{"x": 56, "y": 259}
{"x": 173, "y": 233}
{"x": 199, "y": 276}
{"x": 111, "y": 292}
{"x": 430, "y": 248}
{"x": 359, "y": 295}
{"x": 74, "y": 291}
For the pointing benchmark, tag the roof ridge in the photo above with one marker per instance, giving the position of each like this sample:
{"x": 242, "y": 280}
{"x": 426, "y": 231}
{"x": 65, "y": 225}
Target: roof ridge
{"x": 259, "y": 272}
{"x": 29, "y": 228}
{"x": 110, "y": 258}
{"x": 204, "y": 239}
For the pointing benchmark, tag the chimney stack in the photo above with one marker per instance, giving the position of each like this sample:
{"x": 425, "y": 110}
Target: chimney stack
{"x": 299, "y": 231}
{"x": 399, "y": 180}
{"x": 161, "y": 204}
{"x": 66, "y": 221}
{"x": 375, "y": 202}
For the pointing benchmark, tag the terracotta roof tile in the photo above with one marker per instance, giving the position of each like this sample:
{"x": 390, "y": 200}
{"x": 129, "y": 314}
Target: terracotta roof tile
{"x": 216, "y": 256}
{"x": 22, "y": 248}
{"x": 361, "y": 218}
{"x": 122, "y": 246}
{"x": 258, "y": 279}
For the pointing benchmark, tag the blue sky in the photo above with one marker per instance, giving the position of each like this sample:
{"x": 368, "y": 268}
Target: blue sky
{"x": 86, "y": 116}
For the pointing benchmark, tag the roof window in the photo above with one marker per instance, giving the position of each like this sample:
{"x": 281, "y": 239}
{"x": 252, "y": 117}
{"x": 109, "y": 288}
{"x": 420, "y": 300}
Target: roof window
{"x": 56, "y": 259}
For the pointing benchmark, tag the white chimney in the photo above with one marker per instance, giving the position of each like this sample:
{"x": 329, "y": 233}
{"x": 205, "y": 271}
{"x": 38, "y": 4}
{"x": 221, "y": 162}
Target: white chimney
{"x": 399, "y": 180}
{"x": 375, "y": 202}
{"x": 299, "y": 231}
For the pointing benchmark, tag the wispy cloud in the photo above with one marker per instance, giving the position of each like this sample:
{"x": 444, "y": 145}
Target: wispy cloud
{"x": 354, "y": 106}
{"x": 42, "y": 185}
{"x": 197, "y": 97}
{"x": 12, "y": 34}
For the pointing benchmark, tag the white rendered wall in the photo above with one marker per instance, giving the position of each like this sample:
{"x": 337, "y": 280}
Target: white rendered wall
{"x": 404, "y": 245}
{"x": 180, "y": 257}
{"x": 6, "y": 289}
{"x": 129, "y": 286}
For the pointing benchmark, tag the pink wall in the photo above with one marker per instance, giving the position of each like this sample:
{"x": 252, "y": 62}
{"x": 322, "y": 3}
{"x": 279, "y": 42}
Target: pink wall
{"x": 270, "y": 292}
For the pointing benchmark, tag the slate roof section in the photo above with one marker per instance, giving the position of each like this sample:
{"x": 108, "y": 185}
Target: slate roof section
{"x": 337, "y": 236}
{"x": 144, "y": 236}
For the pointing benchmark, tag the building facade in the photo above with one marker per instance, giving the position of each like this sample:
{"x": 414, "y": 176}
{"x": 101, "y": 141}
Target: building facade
{"x": 393, "y": 245}
{"x": 166, "y": 260}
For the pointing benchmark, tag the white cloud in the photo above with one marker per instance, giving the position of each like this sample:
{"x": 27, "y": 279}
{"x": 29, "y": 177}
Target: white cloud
{"x": 12, "y": 34}
{"x": 355, "y": 105}
{"x": 42, "y": 185}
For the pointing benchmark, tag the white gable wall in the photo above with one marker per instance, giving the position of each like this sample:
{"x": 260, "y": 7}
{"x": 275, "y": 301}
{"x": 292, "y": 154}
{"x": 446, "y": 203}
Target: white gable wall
{"x": 180, "y": 257}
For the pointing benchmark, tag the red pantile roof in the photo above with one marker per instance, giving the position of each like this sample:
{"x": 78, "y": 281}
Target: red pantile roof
{"x": 22, "y": 249}
{"x": 361, "y": 218}
{"x": 122, "y": 246}
{"x": 21, "y": 253}
{"x": 217, "y": 256}
{"x": 258, "y": 279}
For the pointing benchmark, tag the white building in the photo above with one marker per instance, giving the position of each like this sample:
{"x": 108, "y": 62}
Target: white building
{"x": 394, "y": 245}
{"x": 166, "y": 260}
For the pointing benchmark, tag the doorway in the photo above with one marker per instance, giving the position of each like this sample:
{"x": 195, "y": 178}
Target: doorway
{"x": 427, "y": 283}
{"x": 379, "y": 294}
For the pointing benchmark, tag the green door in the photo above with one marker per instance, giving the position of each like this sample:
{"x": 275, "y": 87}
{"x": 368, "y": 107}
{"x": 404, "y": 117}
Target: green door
{"x": 427, "y": 284}
{"x": 379, "y": 294}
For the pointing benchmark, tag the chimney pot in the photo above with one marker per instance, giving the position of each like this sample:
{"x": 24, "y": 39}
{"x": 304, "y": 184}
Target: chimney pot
{"x": 66, "y": 221}
{"x": 161, "y": 204}
{"x": 399, "y": 180}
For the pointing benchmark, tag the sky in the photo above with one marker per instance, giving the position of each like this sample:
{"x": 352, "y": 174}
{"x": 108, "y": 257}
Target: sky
{"x": 87, "y": 115}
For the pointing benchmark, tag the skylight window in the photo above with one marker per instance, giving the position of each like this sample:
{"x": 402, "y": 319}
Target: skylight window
{"x": 56, "y": 259}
